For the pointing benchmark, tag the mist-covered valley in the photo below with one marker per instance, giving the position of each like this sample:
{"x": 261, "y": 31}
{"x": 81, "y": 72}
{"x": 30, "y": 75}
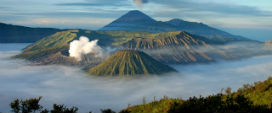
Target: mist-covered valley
{"x": 73, "y": 87}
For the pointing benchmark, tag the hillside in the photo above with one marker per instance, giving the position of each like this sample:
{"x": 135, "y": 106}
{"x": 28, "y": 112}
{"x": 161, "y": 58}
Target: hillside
{"x": 203, "y": 30}
{"x": 129, "y": 63}
{"x": 20, "y": 34}
{"x": 168, "y": 47}
{"x": 183, "y": 47}
{"x": 60, "y": 40}
{"x": 249, "y": 99}
{"x": 160, "y": 40}
{"x": 138, "y": 21}
{"x": 260, "y": 93}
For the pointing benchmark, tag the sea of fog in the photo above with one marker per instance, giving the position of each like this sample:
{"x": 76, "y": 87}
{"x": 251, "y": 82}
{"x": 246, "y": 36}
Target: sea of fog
{"x": 72, "y": 87}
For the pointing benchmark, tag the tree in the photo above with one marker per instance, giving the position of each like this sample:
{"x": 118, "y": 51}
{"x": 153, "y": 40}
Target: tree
{"x": 228, "y": 91}
{"x": 124, "y": 111}
{"x": 107, "y": 111}
{"x": 26, "y": 106}
{"x": 144, "y": 101}
{"x": 45, "y": 111}
{"x": 32, "y": 105}
{"x": 15, "y": 106}
{"x": 63, "y": 109}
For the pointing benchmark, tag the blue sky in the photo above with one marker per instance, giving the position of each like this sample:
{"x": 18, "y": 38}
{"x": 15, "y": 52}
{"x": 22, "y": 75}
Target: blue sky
{"x": 250, "y": 18}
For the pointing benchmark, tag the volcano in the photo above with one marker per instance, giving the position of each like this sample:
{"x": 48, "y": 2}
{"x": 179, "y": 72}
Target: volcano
{"x": 130, "y": 63}
{"x": 138, "y": 21}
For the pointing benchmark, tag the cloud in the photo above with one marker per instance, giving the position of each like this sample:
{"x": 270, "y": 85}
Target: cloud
{"x": 207, "y": 11}
{"x": 73, "y": 87}
{"x": 256, "y": 34}
{"x": 78, "y": 4}
{"x": 3, "y": 7}
{"x": 90, "y": 3}
{"x": 234, "y": 51}
{"x": 84, "y": 46}
{"x": 139, "y": 3}
{"x": 65, "y": 23}
{"x": 214, "y": 7}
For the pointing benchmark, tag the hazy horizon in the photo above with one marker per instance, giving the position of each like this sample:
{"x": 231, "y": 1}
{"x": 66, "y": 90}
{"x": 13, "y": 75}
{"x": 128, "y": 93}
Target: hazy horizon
{"x": 129, "y": 54}
{"x": 73, "y": 87}
{"x": 248, "y": 18}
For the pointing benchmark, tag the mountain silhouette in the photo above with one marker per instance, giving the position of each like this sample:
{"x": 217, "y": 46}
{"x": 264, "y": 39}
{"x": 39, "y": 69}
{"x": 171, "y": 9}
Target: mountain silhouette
{"x": 138, "y": 21}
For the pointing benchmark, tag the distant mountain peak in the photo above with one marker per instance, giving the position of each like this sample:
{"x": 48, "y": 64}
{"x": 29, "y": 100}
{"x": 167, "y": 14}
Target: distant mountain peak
{"x": 134, "y": 16}
{"x": 176, "y": 19}
{"x": 180, "y": 22}
{"x": 138, "y": 21}
{"x": 135, "y": 12}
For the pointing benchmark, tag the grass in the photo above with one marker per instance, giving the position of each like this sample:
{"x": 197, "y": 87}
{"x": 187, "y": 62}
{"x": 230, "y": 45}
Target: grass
{"x": 129, "y": 62}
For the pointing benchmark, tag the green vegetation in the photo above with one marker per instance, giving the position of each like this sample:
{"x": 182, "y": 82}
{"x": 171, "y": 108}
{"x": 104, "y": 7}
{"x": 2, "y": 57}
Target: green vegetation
{"x": 236, "y": 102}
{"x": 107, "y": 111}
{"x": 215, "y": 103}
{"x": 60, "y": 41}
{"x": 260, "y": 93}
{"x": 57, "y": 40}
{"x": 129, "y": 62}
{"x": 161, "y": 106}
{"x": 249, "y": 99}
{"x": 26, "y": 106}
{"x": 53, "y": 49}
{"x": 32, "y": 105}
{"x": 170, "y": 39}
{"x": 48, "y": 45}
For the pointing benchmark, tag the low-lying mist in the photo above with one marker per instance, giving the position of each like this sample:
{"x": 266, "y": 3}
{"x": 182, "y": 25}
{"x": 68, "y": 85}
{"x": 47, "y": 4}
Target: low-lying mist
{"x": 235, "y": 50}
{"x": 72, "y": 87}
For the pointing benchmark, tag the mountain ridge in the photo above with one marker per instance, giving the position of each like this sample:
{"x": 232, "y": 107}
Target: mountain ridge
{"x": 170, "y": 48}
{"x": 200, "y": 28}
{"x": 21, "y": 34}
{"x": 169, "y": 26}
{"x": 137, "y": 16}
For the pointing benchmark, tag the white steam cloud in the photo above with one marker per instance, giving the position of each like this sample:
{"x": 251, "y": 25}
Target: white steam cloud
{"x": 84, "y": 46}
{"x": 139, "y": 3}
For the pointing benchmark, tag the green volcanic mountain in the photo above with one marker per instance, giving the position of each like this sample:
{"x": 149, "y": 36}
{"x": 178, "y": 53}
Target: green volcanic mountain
{"x": 137, "y": 21}
{"x": 160, "y": 40}
{"x": 175, "y": 47}
{"x": 20, "y": 34}
{"x": 167, "y": 47}
{"x": 51, "y": 49}
{"x": 129, "y": 63}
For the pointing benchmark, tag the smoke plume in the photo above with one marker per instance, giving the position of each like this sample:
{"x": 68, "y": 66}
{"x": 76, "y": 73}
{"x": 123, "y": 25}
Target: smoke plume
{"x": 84, "y": 46}
{"x": 139, "y": 3}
